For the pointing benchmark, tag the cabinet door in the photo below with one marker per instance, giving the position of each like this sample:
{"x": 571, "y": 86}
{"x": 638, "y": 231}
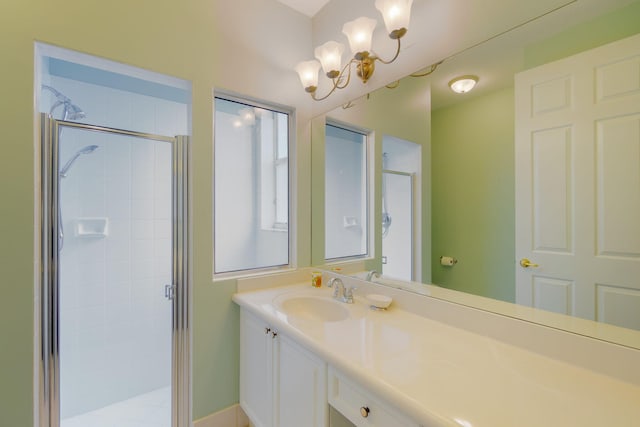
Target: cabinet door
{"x": 301, "y": 381}
{"x": 256, "y": 385}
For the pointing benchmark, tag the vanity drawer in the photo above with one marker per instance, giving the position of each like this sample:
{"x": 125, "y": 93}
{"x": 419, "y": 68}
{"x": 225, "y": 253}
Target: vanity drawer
{"x": 360, "y": 407}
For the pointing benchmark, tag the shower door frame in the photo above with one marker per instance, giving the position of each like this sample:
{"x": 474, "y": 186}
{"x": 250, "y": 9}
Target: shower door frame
{"x": 412, "y": 181}
{"x": 47, "y": 293}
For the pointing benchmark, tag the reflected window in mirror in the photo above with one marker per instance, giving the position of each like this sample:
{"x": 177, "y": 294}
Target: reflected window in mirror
{"x": 251, "y": 186}
{"x": 346, "y": 193}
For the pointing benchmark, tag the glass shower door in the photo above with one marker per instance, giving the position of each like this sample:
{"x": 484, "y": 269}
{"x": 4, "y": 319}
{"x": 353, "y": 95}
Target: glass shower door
{"x": 397, "y": 242}
{"x": 117, "y": 330}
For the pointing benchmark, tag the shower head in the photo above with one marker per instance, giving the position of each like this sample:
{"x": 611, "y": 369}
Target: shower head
{"x": 71, "y": 111}
{"x": 88, "y": 149}
{"x": 84, "y": 150}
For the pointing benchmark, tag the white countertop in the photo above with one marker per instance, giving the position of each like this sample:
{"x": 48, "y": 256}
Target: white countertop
{"x": 442, "y": 375}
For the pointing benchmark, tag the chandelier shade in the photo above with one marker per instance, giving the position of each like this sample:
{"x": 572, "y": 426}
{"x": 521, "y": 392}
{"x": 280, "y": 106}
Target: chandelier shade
{"x": 330, "y": 56}
{"x": 360, "y": 32}
{"x": 308, "y": 73}
{"x": 396, "y": 15}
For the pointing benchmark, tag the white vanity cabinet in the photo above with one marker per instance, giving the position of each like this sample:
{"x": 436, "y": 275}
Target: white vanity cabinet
{"x": 360, "y": 407}
{"x": 281, "y": 383}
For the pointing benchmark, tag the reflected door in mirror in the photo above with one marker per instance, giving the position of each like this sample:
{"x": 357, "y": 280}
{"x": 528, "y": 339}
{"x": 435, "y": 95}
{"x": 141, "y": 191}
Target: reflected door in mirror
{"x": 578, "y": 185}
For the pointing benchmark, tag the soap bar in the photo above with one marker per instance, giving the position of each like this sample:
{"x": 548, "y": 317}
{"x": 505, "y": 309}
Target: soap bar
{"x": 379, "y": 301}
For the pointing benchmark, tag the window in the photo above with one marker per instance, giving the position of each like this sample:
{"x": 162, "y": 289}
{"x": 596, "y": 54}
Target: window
{"x": 251, "y": 186}
{"x": 346, "y": 193}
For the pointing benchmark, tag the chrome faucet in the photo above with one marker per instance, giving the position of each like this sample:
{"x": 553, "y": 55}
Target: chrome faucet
{"x": 340, "y": 292}
{"x": 372, "y": 274}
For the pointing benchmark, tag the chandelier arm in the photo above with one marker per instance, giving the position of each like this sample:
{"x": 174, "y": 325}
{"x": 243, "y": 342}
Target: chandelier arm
{"x": 333, "y": 89}
{"x": 336, "y": 81}
{"x": 376, "y": 57}
{"x": 431, "y": 69}
{"x": 346, "y": 68}
{"x": 348, "y": 105}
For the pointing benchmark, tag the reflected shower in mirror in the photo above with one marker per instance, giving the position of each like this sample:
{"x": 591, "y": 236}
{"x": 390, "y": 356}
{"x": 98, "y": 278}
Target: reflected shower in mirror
{"x": 401, "y": 169}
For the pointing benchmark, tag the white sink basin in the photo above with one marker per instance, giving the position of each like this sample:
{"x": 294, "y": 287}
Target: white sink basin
{"x": 317, "y": 308}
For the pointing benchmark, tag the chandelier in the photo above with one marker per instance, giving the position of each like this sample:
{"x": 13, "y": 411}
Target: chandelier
{"x": 396, "y": 15}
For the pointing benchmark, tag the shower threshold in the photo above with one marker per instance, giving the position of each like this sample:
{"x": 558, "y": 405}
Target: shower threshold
{"x": 151, "y": 409}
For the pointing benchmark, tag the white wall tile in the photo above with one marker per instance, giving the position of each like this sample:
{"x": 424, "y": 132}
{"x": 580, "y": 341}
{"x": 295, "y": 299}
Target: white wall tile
{"x": 92, "y": 294}
{"x": 162, "y": 228}
{"x": 116, "y": 293}
{"x": 143, "y": 229}
{"x": 162, "y": 267}
{"x": 162, "y": 208}
{"x": 143, "y": 249}
{"x": 89, "y": 269}
{"x": 142, "y": 269}
{"x": 117, "y": 207}
{"x": 162, "y": 249}
{"x": 142, "y": 181}
{"x": 142, "y": 208}
{"x": 119, "y": 274}
{"x": 93, "y": 249}
{"x": 119, "y": 229}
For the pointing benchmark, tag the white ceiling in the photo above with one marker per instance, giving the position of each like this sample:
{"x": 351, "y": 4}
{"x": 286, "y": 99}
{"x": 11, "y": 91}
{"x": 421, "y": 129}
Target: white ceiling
{"x": 496, "y": 61}
{"x": 307, "y": 7}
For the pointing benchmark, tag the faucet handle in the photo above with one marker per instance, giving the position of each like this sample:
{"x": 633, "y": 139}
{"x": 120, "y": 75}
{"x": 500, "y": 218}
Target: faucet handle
{"x": 339, "y": 284}
{"x": 335, "y": 280}
{"x": 348, "y": 294}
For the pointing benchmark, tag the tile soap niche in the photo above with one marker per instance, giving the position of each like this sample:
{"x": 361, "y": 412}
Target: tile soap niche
{"x": 92, "y": 227}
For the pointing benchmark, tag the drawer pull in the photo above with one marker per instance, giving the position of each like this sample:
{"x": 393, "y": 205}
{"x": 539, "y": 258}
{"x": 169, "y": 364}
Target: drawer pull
{"x": 267, "y": 330}
{"x": 364, "y": 411}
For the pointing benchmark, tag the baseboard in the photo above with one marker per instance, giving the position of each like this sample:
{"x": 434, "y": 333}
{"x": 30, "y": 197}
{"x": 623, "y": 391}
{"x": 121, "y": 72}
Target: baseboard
{"x": 233, "y": 416}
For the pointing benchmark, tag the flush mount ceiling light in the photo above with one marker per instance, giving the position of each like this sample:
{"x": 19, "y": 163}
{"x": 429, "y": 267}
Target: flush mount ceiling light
{"x": 463, "y": 84}
{"x": 396, "y": 14}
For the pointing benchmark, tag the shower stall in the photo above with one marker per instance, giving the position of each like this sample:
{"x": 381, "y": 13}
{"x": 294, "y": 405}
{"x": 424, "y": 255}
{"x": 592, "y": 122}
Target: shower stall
{"x": 397, "y": 224}
{"x": 114, "y": 287}
{"x": 401, "y": 213}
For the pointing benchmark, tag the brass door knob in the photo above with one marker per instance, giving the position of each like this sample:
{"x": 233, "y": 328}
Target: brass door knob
{"x": 524, "y": 262}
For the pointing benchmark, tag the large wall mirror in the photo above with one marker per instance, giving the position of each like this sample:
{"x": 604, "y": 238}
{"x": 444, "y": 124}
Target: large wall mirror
{"x": 464, "y": 192}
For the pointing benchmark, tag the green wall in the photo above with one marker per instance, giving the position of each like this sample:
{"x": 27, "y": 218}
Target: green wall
{"x": 605, "y": 29}
{"x": 209, "y": 43}
{"x": 472, "y": 168}
{"x": 473, "y": 195}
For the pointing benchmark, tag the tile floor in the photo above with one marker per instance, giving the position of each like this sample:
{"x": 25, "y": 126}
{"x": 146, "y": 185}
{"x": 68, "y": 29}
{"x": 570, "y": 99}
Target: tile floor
{"x": 151, "y": 409}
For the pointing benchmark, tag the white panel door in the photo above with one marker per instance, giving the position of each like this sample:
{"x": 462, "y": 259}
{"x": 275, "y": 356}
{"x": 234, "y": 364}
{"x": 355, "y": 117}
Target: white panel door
{"x": 578, "y": 185}
{"x": 256, "y": 370}
{"x": 301, "y": 387}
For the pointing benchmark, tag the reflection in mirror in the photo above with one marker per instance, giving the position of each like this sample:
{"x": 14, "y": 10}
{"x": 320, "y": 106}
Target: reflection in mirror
{"x": 469, "y": 184}
{"x": 401, "y": 168}
{"x": 397, "y": 244}
{"x": 346, "y": 201}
